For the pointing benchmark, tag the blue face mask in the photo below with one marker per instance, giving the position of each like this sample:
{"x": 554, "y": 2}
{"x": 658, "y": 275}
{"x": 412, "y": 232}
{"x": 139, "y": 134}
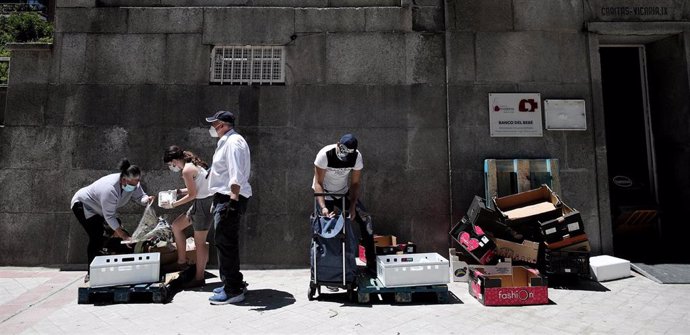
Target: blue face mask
{"x": 128, "y": 188}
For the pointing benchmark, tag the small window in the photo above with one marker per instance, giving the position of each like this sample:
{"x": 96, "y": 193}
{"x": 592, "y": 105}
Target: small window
{"x": 4, "y": 70}
{"x": 248, "y": 65}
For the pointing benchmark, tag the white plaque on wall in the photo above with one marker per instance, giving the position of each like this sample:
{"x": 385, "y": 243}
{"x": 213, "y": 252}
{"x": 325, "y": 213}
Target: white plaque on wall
{"x": 515, "y": 115}
{"x": 565, "y": 114}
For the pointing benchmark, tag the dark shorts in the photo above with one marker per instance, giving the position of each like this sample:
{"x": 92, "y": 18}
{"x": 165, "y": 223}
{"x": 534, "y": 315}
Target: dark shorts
{"x": 200, "y": 214}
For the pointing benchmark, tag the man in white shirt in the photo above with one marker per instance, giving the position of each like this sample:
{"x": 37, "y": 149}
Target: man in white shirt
{"x": 338, "y": 169}
{"x": 229, "y": 181}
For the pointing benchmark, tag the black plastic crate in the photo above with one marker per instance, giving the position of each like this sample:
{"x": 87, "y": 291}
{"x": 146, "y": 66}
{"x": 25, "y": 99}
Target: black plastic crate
{"x": 566, "y": 263}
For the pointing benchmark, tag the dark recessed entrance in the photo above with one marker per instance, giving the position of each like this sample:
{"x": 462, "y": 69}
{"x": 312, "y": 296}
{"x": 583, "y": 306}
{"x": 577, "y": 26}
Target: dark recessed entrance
{"x": 645, "y": 93}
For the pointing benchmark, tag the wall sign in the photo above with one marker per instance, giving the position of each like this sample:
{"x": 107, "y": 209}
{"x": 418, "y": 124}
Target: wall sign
{"x": 565, "y": 114}
{"x": 515, "y": 115}
{"x": 636, "y": 10}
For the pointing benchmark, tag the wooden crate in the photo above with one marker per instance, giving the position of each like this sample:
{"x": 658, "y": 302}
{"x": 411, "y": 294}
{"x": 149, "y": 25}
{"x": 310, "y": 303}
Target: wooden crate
{"x": 509, "y": 176}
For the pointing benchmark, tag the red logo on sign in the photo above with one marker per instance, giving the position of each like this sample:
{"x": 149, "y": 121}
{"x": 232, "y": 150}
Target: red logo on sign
{"x": 528, "y": 105}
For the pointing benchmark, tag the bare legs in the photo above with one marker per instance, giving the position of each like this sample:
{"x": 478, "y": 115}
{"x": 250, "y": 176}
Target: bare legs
{"x": 201, "y": 253}
{"x": 178, "y": 227}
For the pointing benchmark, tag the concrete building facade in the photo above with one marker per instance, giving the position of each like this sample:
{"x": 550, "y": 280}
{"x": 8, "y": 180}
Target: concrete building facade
{"x": 410, "y": 78}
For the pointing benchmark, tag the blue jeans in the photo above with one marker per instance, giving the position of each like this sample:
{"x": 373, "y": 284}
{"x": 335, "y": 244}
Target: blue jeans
{"x": 226, "y": 222}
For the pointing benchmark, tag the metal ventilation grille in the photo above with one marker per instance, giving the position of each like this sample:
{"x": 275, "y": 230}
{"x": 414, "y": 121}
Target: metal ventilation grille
{"x": 248, "y": 64}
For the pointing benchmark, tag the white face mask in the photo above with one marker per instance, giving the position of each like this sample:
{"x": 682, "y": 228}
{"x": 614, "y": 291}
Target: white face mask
{"x": 342, "y": 152}
{"x": 213, "y": 132}
{"x": 174, "y": 168}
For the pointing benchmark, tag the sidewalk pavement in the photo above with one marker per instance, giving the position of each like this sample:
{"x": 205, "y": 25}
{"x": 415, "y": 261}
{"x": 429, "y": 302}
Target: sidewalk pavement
{"x": 44, "y": 301}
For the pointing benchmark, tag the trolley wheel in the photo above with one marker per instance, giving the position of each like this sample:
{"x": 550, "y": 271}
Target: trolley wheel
{"x": 312, "y": 290}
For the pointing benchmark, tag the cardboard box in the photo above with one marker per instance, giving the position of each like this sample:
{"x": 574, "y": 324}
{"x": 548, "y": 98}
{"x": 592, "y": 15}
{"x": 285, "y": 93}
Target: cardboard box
{"x": 490, "y": 220}
{"x": 403, "y": 248}
{"x": 540, "y": 204}
{"x": 606, "y": 267}
{"x": 567, "y": 225}
{"x": 523, "y": 287}
{"x": 384, "y": 240}
{"x": 569, "y": 242}
{"x": 581, "y": 246}
{"x": 527, "y": 251}
{"x": 169, "y": 255}
{"x": 473, "y": 239}
{"x": 459, "y": 270}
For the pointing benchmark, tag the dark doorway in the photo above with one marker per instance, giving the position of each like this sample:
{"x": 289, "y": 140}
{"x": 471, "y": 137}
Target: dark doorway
{"x": 669, "y": 99}
{"x": 630, "y": 152}
{"x": 646, "y": 108}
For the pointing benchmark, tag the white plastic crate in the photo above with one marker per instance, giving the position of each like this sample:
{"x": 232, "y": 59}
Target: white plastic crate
{"x": 125, "y": 269}
{"x": 412, "y": 269}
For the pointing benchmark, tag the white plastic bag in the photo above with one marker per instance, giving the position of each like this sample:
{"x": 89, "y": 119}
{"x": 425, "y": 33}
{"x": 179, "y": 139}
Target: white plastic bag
{"x": 148, "y": 222}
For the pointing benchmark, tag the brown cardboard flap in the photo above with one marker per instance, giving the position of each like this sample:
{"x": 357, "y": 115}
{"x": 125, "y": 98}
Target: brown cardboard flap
{"x": 531, "y": 197}
{"x": 530, "y": 210}
{"x": 527, "y": 251}
{"x": 385, "y": 240}
{"x": 520, "y": 277}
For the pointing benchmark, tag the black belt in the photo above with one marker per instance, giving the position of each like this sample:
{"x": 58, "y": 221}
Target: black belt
{"x": 220, "y": 197}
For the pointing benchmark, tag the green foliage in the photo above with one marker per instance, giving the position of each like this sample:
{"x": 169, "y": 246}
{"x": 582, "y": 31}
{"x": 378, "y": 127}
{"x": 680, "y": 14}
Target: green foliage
{"x": 19, "y": 27}
{"x": 24, "y": 27}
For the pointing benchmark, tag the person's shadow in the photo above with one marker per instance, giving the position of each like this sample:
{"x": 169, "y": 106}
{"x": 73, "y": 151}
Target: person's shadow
{"x": 261, "y": 299}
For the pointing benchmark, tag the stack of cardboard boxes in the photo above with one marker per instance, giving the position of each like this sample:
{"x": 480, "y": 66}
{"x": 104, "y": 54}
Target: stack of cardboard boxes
{"x": 542, "y": 236}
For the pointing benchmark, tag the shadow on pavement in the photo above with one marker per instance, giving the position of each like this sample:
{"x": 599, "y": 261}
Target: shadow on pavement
{"x": 421, "y": 298}
{"x": 577, "y": 285}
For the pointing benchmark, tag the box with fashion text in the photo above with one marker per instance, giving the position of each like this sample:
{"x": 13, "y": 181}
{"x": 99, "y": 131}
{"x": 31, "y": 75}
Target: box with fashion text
{"x": 524, "y": 286}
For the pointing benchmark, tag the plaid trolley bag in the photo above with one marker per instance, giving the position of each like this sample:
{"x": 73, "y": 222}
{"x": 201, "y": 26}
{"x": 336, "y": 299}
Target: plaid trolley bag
{"x": 333, "y": 251}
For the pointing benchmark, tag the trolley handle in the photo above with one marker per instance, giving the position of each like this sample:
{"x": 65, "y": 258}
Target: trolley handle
{"x": 330, "y": 194}
{"x": 341, "y": 195}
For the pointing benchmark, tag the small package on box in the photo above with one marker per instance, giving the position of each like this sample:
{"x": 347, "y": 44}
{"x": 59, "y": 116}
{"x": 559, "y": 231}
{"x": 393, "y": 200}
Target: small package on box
{"x": 473, "y": 239}
{"x": 527, "y": 251}
{"x": 402, "y": 248}
{"x": 540, "y": 204}
{"x": 524, "y": 286}
{"x": 567, "y": 225}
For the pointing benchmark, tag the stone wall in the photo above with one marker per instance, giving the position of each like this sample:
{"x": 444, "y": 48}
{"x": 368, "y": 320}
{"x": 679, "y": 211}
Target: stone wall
{"x": 128, "y": 82}
{"x": 410, "y": 78}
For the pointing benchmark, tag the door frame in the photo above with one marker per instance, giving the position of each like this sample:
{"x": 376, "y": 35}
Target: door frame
{"x": 608, "y": 34}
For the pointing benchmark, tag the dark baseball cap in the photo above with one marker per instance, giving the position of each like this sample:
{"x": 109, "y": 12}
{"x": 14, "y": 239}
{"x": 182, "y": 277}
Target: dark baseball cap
{"x": 222, "y": 116}
{"x": 349, "y": 140}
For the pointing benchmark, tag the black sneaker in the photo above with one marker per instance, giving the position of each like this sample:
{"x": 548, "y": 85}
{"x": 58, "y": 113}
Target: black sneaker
{"x": 87, "y": 278}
